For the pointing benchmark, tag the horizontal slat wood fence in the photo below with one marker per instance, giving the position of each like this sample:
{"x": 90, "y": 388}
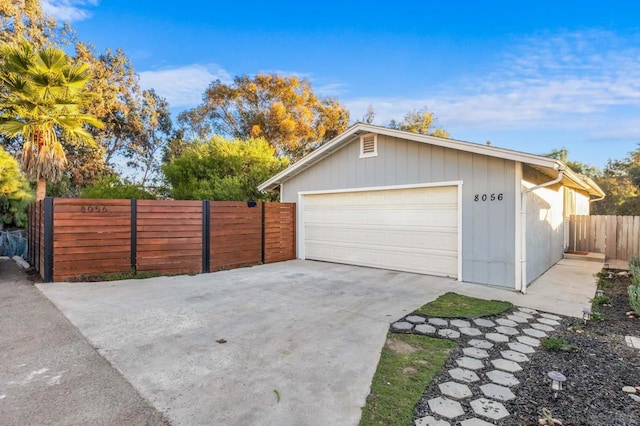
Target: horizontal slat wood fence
{"x": 618, "y": 237}
{"x": 75, "y": 238}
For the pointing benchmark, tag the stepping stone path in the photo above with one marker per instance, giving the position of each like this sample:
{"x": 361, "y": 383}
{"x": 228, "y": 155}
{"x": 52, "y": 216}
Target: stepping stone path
{"x": 491, "y": 354}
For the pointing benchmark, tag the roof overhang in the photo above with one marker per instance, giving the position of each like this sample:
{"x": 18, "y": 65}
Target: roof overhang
{"x": 543, "y": 164}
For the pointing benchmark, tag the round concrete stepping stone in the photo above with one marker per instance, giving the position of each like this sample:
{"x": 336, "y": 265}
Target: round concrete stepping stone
{"x": 402, "y": 326}
{"x": 476, "y": 353}
{"x": 469, "y": 363}
{"x": 517, "y": 319}
{"x": 481, "y": 322}
{"x": 551, "y": 317}
{"x": 446, "y": 407}
{"x": 438, "y": 321}
{"x": 460, "y": 323}
{"x": 534, "y": 333}
{"x": 415, "y": 319}
{"x": 455, "y": 390}
{"x": 514, "y": 356}
{"x": 463, "y": 375}
{"x": 448, "y": 333}
{"x": 479, "y": 343}
{"x": 431, "y": 421}
{"x": 509, "y": 331}
{"x": 507, "y": 322}
{"x": 425, "y": 329}
{"x": 521, "y": 347}
{"x": 497, "y": 337}
{"x": 506, "y": 365}
{"x": 498, "y": 392}
{"x": 470, "y": 331}
{"x": 541, "y": 327}
{"x": 503, "y": 378}
{"x": 548, "y": 321}
{"x": 475, "y": 422}
{"x": 529, "y": 341}
{"x": 490, "y": 409}
{"x": 523, "y": 315}
{"x": 527, "y": 310}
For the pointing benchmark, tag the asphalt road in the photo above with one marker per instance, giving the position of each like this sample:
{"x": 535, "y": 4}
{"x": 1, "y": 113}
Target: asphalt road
{"x": 49, "y": 373}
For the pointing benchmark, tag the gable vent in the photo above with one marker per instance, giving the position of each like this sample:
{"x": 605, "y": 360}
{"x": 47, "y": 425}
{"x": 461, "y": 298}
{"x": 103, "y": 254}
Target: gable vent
{"x": 368, "y": 145}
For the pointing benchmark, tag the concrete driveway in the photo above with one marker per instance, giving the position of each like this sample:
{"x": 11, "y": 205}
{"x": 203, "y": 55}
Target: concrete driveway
{"x": 310, "y": 331}
{"x": 288, "y": 343}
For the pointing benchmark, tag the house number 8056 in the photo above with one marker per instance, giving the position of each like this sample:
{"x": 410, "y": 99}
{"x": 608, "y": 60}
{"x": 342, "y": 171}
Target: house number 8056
{"x": 488, "y": 197}
{"x": 93, "y": 209}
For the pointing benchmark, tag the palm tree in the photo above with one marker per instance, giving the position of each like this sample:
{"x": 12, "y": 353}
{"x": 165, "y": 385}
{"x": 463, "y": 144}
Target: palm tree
{"x": 42, "y": 102}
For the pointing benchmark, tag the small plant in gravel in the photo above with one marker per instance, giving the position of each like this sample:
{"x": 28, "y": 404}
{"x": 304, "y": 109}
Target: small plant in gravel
{"x": 634, "y": 288}
{"x": 600, "y": 300}
{"x": 558, "y": 344}
{"x": 634, "y": 298}
{"x": 547, "y": 419}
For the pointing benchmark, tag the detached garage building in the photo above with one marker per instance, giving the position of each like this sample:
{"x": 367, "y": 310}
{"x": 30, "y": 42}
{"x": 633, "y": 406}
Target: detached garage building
{"x": 403, "y": 201}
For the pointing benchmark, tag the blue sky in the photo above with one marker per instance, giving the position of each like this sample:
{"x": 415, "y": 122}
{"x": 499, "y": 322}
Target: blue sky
{"x": 530, "y": 76}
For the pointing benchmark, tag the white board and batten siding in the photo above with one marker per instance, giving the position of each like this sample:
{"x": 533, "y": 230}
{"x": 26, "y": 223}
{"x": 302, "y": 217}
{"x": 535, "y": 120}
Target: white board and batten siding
{"x": 487, "y": 232}
{"x": 406, "y": 229}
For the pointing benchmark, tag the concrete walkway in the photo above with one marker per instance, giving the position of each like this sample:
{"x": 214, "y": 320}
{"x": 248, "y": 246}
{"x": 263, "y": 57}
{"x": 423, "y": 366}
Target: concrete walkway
{"x": 288, "y": 343}
{"x": 565, "y": 289}
{"x": 49, "y": 374}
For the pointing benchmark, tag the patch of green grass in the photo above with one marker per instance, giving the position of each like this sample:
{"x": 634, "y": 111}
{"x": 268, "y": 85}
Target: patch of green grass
{"x": 117, "y": 276}
{"x": 452, "y": 305}
{"x": 407, "y": 364}
{"x": 557, "y": 344}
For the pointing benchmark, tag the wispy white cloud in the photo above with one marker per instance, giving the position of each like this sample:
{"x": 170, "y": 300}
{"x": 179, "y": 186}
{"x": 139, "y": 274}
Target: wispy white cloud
{"x": 68, "y": 10}
{"x": 558, "y": 81}
{"x": 183, "y": 87}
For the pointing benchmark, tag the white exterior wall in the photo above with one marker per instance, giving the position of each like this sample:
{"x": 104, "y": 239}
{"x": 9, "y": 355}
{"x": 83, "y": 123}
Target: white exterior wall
{"x": 488, "y": 227}
{"x": 545, "y": 223}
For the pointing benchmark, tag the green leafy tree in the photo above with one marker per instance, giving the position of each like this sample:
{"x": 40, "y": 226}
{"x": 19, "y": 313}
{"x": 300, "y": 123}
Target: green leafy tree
{"x": 15, "y": 192}
{"x": 420, "y": 121}
{"x": 620, "y": 180}
{"x": 112, "y": 187}
{"x": 222, "y": 169}
{"x": 43, "y": 102}
{"x": 562, "y": 154}
{"x": 282, "y": 110}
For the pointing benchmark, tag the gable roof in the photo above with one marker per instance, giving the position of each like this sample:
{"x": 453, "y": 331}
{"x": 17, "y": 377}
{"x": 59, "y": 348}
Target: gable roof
{"x": 546, "y": 165}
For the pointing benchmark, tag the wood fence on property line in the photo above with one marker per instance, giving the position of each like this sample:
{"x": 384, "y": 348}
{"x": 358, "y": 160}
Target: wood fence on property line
{"x": 618, "y": 237}
{"x": 72, "y": 238}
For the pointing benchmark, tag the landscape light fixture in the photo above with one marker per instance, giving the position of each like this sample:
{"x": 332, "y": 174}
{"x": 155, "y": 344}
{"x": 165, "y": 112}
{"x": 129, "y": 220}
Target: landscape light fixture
{"x": 557, "y": 379}
{"x": 599, "y": 292}
{"x": 586, "y": 315}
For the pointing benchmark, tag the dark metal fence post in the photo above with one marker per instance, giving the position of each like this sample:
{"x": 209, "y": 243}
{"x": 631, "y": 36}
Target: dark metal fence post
{"x": 134, "y": 234}
{"x": 263, "y": 232}
{"x": 206, "y": 235}
{"x": 48, "y": 240}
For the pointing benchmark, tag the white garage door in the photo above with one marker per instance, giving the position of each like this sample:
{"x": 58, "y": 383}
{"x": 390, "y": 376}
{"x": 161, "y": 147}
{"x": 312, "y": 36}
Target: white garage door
{"x": 413, "y": 230}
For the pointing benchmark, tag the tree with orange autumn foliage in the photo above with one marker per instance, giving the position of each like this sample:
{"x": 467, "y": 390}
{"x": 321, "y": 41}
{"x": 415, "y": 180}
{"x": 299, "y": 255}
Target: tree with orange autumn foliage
{"x": 283, "y": 110}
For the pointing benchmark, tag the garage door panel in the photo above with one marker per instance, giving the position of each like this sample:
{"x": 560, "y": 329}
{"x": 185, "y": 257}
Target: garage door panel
{"x": 412, "y": 230}
{"x": 428, "y": 238}
{"x": 418, "y": 261}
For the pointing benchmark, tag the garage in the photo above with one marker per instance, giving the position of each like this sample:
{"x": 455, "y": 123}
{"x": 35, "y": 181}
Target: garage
{"x": 411, "y": 229}
{"x": 392, "y": 199}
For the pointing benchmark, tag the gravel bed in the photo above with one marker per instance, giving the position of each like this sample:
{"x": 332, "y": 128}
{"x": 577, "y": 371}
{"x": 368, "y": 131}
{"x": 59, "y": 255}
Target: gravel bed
{"x": 596, "y": 371}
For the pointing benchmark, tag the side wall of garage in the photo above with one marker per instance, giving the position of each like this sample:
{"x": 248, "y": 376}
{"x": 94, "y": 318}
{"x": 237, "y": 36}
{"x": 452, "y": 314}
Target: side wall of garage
{"x": 488, "y": 222}
{"x": 545, "y": 223}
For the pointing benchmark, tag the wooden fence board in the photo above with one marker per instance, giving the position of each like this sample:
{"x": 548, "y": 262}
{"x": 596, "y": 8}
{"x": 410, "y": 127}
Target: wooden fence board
{"x": 92, "y": 237}
{"x": 618, "y": 237}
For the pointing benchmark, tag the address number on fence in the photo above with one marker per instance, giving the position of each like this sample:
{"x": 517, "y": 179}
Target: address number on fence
{"x": 488, "y": 197}
{"x": 93, "y": 209}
